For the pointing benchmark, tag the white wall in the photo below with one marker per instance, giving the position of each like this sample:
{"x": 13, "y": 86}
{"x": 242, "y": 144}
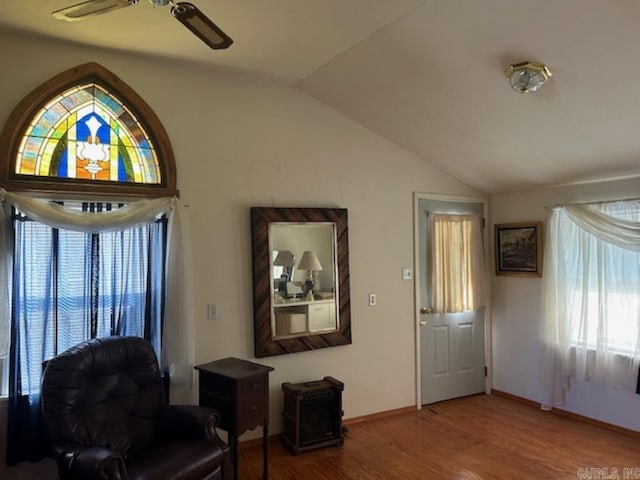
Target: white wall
{"x": 237, "y": 138}
{"x": 517, "y": 348}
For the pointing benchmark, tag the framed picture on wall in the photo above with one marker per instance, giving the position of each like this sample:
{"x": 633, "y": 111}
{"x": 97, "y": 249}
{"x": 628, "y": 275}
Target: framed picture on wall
{"x": 519, "y": 249}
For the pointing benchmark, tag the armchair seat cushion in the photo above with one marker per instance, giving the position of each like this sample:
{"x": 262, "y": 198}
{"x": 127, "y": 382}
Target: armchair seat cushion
{"x": 177, "y": 461}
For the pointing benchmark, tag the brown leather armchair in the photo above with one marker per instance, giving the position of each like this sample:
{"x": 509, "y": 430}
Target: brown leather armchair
{"x": 106, "y": 417}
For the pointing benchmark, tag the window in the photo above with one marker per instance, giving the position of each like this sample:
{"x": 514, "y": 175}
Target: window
{"x": 71, "y": 286}
{"x": 602, "y": 284}
{"x": 86, "y": 132}
{"x": 94, "y": 267}
{"x": 457, "y": 262}
{"x": 592, "y": 292}
{"x": 84, "y": 127}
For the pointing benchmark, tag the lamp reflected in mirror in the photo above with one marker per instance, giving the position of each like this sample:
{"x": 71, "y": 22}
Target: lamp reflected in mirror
{"x": 310, "y": 263}
{"x": 283, "y": 264}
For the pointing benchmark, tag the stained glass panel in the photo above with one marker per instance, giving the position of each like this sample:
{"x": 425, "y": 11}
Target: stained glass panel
{"x": 87, "y": 133}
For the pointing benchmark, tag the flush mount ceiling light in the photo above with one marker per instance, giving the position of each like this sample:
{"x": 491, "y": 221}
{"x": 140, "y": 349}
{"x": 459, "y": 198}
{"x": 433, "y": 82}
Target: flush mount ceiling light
{"x": 526, "y": 77}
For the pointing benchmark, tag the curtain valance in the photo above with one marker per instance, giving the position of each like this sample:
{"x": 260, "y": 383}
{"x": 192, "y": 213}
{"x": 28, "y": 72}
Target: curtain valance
{"x": 55, "y": 215}
{"x": 610, "y": 229}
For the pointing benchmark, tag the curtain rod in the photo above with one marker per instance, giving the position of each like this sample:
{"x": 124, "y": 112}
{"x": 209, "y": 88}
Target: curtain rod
{"x": 631, "y": 199}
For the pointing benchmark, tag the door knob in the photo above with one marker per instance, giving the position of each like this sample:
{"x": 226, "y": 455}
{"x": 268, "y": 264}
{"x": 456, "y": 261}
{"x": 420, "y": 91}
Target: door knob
{"x": 425, "y": 310}
{"x": 423, "y": 323}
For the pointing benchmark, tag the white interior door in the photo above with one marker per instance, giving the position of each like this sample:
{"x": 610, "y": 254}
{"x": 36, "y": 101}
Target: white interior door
{"x": 452, "y": 353}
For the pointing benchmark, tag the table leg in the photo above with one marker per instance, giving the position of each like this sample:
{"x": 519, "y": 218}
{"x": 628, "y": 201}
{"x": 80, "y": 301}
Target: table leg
{"x": 233, "y": 444}
{"x": 265, "y": 452}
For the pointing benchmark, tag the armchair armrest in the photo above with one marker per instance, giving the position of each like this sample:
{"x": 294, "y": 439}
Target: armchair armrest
{"x": 190, "y": 421}
{"x": 77, "y": 462}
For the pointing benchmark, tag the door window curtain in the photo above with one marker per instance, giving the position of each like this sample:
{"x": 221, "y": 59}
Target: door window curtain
{"x": 457, "y": 263}
{"x": 106, "y": 237}
{"x": 591, "y": 297}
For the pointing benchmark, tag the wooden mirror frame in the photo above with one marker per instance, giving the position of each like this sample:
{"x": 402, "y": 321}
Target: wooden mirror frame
{"x": 264, "y": 343}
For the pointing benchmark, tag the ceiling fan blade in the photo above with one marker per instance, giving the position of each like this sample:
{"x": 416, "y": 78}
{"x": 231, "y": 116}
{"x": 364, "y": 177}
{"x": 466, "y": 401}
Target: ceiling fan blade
{"x": 81, "y": 10}
{"x": 196, "y": 21}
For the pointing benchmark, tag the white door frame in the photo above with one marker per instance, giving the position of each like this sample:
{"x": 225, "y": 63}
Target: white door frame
{"x": 417, "y": 286}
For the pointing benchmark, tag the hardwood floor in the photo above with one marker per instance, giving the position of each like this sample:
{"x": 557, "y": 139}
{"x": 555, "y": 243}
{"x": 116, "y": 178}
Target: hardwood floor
{"x": 480, "y": 437}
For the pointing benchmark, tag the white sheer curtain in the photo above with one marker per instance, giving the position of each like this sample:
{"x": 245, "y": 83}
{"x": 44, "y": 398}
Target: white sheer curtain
{"x": 457, "y": 263}
{"x": 177, "y": 351}
{"x": 591, "y": 297}
{"x": 6, "y": 263}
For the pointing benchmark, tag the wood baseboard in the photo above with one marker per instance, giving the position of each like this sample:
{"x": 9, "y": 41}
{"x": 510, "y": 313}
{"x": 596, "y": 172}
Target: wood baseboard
{"x": 379, "y": 415}
{"x": 566, "y": 414}
{"x": 257, "y": 442}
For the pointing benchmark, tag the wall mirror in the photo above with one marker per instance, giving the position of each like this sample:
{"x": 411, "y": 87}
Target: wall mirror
{"x": 300, "y": 279}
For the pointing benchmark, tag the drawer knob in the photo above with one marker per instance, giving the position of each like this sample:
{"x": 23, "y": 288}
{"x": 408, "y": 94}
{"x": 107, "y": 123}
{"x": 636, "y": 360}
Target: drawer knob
{"x": 253, "y": 409}
{"x": 254, "y": 386}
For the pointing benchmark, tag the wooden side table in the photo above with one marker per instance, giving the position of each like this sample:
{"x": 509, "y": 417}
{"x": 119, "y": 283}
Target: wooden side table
{"x": 239, "y": 390}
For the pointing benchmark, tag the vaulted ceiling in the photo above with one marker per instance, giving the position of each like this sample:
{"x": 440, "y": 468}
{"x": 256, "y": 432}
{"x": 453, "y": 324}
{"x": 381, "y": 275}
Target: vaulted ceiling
{"x": 424, "y": 74}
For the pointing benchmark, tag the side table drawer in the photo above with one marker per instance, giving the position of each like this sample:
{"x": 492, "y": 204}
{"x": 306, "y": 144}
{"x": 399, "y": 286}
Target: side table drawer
{"x": 218, "y": 384}
{"x": 251, "y": 412}
{"x": 252, "y": 386}
{"x": 224, "y": 406}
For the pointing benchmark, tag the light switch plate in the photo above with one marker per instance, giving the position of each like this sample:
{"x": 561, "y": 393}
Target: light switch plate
{"x": 407, "y": 274}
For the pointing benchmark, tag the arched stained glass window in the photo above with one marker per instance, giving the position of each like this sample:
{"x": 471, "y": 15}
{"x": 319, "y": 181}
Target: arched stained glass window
{"x": 87, "y": 133}
{"x": 85, "y": 126}
{"x": 83, "y": 137}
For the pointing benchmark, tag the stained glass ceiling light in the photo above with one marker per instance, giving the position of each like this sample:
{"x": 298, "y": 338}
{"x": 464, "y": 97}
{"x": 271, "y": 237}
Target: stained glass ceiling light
{"x": 527, "y": 77}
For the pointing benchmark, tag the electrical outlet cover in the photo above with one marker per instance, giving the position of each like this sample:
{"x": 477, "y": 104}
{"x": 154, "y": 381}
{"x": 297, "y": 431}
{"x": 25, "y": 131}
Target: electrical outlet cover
{"x": 372, "y": 300}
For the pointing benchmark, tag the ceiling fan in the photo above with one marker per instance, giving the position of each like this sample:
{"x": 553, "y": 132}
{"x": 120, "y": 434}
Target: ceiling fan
{"x": 186, "y": 13}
